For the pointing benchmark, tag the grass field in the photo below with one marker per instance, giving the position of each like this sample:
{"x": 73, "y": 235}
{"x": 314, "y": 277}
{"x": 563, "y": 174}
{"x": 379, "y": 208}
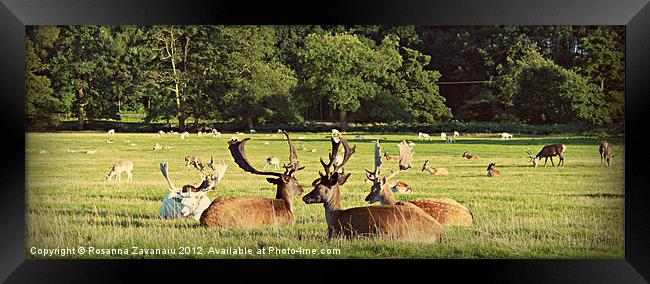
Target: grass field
{"x": 576, "y": 211}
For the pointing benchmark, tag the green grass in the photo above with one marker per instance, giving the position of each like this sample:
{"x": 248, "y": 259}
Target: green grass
{"x": 576, "y": 211}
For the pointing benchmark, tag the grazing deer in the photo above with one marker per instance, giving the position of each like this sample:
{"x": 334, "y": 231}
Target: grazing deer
{"x": 470, "y": 157}
{"x": 272, "y": 161}
{"x": 251, "y": 212}
{"x": 161, "y": 133}
{"x": 443, "y": 136}
{"x": 188, "y": 201}
{"x": 449, "y": 139}
{"x": 390, "y": 221}
{"x": 606, "y": 150}
{"x": 195, "y": 162}
{"x": 423, "y": 136}
{"x": 456, "y": 134}
{"x": 548, "y": 151}
{"x": 111, "y": 131}
{"x": 219, "y": 169}
{"x": 492, "y": 171}
{"x": 253, "y": 131}
{"x": 120, "y": 167}
{"x": 443, "y": 210}
{"x": 434, "y": 171}
{"x": 505, "y": 135}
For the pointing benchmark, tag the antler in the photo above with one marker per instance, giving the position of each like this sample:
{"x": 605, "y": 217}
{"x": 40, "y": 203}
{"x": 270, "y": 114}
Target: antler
{"x": 336, "y": 142}
{"x": 346, "y": 155}
{"x": 293, "y": 157}
{"x": 236, "y": 148}
{"x": 405, "y": 156}
{"x": 375, "y": 173}
{"x": 163, "y": 170}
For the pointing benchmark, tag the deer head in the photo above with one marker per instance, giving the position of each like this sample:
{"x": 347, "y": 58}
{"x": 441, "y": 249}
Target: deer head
{"x": 285, "y": 181}
{"x": 326, "y": 187}
{"x": 534, "y": 160}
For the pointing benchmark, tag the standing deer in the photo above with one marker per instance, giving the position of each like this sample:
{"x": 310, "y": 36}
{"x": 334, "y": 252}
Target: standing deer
{"x": 120, "y": 167}
{"x": 492, "y": 170}
{"x": 252, "y": 212}
{"x": 443, "y": 210}
{"x": 272, "y": 161}
{"x": 470, "y": 157}
{"x": 434, "y": 171}
{"x": 195, "y": 162}
{"x": 548, "y": 151}
{"x": 390, "y": 221}
{"x": 606, "y": 150}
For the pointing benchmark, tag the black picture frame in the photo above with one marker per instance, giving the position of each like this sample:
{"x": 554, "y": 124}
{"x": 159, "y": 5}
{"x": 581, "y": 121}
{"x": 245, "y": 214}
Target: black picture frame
{"x": 16, "y": 14}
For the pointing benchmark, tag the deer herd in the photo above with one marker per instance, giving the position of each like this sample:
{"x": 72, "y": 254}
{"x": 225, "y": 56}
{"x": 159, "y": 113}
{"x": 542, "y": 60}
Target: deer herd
{"x": 421, "y": 219}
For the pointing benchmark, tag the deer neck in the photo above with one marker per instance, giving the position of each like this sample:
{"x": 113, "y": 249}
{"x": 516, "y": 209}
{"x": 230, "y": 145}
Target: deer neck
{"x": 283, "y": 193}
{"x": 332, "y": 205}
{"x": 387, "y": 196}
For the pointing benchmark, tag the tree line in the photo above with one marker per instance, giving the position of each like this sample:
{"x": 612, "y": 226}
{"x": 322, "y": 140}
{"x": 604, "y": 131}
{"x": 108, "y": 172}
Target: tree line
{"x": 253, "y": 75}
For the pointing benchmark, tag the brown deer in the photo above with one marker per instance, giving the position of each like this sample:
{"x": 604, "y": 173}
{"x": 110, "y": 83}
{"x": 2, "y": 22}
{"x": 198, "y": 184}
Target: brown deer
{"x": 195, "y": 162}
{"x": 548, "y": 151}
{"x": 443, "y": 210}
{"x": 390, "y": 158}
{"x": 252, "y": 212}
{"x": 389, "y": 221}
{"x": 606, "y": 150}
{"x": 492, "y": 170}
{"x": 434, "y": 171}
{"x": 470, "y": 157}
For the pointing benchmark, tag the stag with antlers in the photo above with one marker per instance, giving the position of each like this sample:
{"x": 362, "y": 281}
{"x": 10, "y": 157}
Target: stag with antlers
{"x": 390, "y": 221}
{"x": 548, "y": 151}
{"x": 252, "y": 212}
{"x": 443, "y": 210}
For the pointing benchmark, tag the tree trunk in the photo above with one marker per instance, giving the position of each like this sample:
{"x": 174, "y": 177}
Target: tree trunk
{"x": 249, "y": 121}
{"x": 181, "y": 123}
{"x": 344, "y": 120}
{"x": 81, "y": 104}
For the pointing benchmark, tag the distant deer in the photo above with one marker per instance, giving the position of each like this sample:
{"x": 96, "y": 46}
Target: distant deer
{"x": 492, "y": 170}
{"x": 252, "y": 212}
{"x": 390, "y": 221}
{"x": 193, "y": 161}
{"x": 548, "y": 151}
{"x": 443, "y": 136}
{"x": 434, "y": 171}
{"x": 272, "y": 161}
{"x": 423, "y": 136}
{"x": 505, "y": 135}
{"x": 120, "y": 167}
{"x": 390, "y": 158}
{"x": 606, "y": 150}
{"x": 470, "y": 157}
{"x": 157, "y": 146}
{"x": 443, "y": 210}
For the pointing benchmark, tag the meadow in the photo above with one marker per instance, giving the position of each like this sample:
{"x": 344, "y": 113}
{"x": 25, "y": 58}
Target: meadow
{"x": 575, "y": 211}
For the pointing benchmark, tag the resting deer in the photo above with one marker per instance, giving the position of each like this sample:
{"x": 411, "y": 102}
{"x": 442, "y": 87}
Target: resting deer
{"x": 470, "y": 157}
{"x": 252, "y": 212}
{"x": 443, "y": 210}
{"x": 548, "y": 151}
{"x": 188, "y": 201}
{"x": 492, "y": 170}
{"x": 195, "y": 162}
{"x": 390, "y": 221}
{"x": 272, "y": 161}
{"x": 120, "y": 167}
{"x": 434, "y": 171}
{"x": 606, "y": 150}
{"x": 390, "y": 158}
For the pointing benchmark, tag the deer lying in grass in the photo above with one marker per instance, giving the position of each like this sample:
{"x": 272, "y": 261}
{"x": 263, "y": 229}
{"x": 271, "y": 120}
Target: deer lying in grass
{"x": 470, "y": 157}
{"x": 390, "y": 158}
{"x": 548, "y": 151}
{"x": 492, "y": 170}
{"x": 195, "y": 162}
{"x": 606, "y": 150}
{"x": 190, "y": 200}
{"x": 390, "y": 221}
{"x": 120, "y": 167}
{"x": 252, "y": 212}
{"x": 434, "y": 171}
{"x": 443, "y": 210}
{"x": 272, "y": 161}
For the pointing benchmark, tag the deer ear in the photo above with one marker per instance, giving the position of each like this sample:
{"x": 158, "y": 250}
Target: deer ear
{"x": 273, "y": 180}
{"x": 343, "y": 178}
{"x": 285, "y": 178}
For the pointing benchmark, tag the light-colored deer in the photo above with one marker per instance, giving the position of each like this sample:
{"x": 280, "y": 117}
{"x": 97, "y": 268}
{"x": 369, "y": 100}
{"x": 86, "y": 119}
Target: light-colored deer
{"x": 120, "y": 167}
{"x": 443, "y": 210}
{"x": 272, "y": 161}
{"x": 389, "y": 221}
{"x": 434, "y": 171}
{"x": 185, "y": 135}
{"x": 111, "y": 131}
{"x": 505, "y": 135}
{"x": 548, "y": 151}
{"x": 252, "y": 212}
{"x": 423, "y": 136}
{"x": 161, "y": 133}
{"x": 492, "y": 170}
{"x": 606, "y": 150}
{"x": 470, "y": 157}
